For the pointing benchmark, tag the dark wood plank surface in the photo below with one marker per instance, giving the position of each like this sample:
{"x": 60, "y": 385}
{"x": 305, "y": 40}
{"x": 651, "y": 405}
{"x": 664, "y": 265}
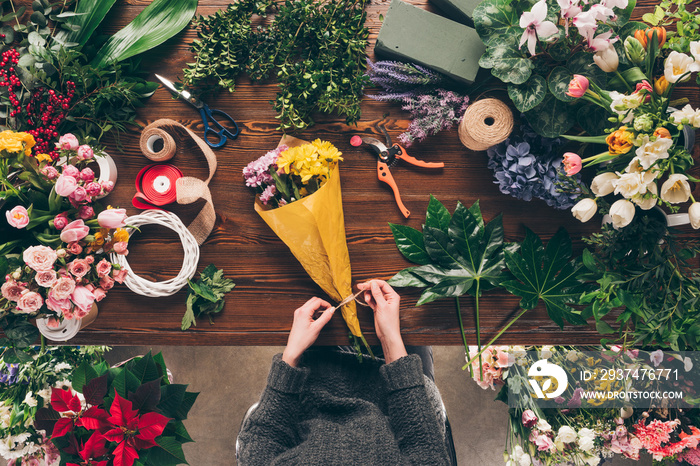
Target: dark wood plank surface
{"x": 270, "y": 284}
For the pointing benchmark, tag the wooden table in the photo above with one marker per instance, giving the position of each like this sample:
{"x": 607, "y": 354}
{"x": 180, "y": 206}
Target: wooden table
{"x": 270, "y": 283}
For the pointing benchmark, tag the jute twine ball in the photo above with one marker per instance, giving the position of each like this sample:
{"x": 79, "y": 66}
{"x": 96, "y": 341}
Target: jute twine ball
{"x": 486, "y": 123}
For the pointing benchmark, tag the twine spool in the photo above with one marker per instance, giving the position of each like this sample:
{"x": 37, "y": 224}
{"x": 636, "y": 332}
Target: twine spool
{"x": 486, "y": 123}
{"x": 157, "y": 144}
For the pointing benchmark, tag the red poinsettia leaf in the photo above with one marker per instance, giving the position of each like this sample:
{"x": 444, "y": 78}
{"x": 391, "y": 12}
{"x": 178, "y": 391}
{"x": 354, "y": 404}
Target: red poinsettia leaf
{"x": 100, "y": 463}
{"x": 95, "y": 390}
{"x": 72, "y": 464}
{"x": 151, "y": 425}
{"x": 124, "y": 455}
{"x": 114, "y": 435}
{"x": 63, "y": 400}
{"x": 45, "y": 419}
{"x": 94, "y": 418}
{"x": 63, "y": 426}
{"x": 143, "y": 444}
{"x": 94, "y": 447}
{"x": 121, "y": 412}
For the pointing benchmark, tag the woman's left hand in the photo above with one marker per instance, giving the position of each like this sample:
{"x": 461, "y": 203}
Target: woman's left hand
{"x": 305, "y": 329}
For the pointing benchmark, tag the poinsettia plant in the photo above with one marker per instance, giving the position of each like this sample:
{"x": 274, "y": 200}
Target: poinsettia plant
{"x": 129, "y": 415}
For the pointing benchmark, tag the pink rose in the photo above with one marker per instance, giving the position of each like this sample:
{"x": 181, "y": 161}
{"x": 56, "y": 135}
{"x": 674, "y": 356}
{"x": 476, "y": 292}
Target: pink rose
{"x": 29, "y": 302}
{"x": 72, "y": 171}
{"x": 112, "y": 218}
{"x": 529, "y": 418}
{"x": 51, "y": 321}
{"x": 67, "y": 142}
{"x": 99, "y": 294}
{"x": 572, "y": 163}
{"x": 65, "y": 185}
{"x": 120, "y": 275}
{"x": 103, "y": 268}
{"x": 106, "y": 283}
{"x": 87, "y": 175}
{"x": 86, "y": 212}
{"x": 39, "y": 258}
{"x": 83, "y": 299}
{"x": 79, "y": 194}
{"x": 68, "y": 313}
{"x": 108, "y": 186}
{"x": 59, "y": 306}
{"x": 18, "y": 217}
{"x": 121, "y": 248}
{"x": 544, "y": 443}
{"x": 60, "y": 221}
{"x": 75, "y": 248}
{"x": 50, "y": 172}
{"x": 46, "y": 279}
{"x": 63, "y": 288}
{"x": 79, "y": 268}
{"x": 85, "y": 152}
{"x": 90, "y": 259}
{"x": 11, "y": 290}
{"x": 93, "y": 189}
{"x": 74, "y": 231}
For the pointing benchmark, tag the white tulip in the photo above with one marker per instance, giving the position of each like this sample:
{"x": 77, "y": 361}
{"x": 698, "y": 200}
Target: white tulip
{"x": 679, "y": 64}
{"x": 626, "y": 412}
{"x": 607, "y": 59}
{"x": 602, "y": 185}
{"x": 694, "y": 214}
{"x": 618, "y": 106}
{"x": 629, "y": 184}
{"x": 675, "y": 189}
{"x": 648, "y": 201}
{"x": 622, "y": 213}
{"x": 585, "y": 209}
{"x": 649, "y": 152}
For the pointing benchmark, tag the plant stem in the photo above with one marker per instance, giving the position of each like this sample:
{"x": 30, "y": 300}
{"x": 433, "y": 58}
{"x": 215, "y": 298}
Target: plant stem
{"x": 461, "y": 328}
{"x": 495, "y": 338}
{"x": 478, "y": 332}
{"x": 623, "y": 80}
{"x": 43, "y": 345}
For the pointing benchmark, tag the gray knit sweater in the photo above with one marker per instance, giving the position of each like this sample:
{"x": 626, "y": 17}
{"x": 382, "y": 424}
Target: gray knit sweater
{"x": 333, "y": 410}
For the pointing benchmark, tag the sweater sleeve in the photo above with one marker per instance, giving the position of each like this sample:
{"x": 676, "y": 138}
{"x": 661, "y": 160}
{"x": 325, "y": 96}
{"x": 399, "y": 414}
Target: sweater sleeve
{"x": 270, "y": 429}
{"x": 410, "y": 413}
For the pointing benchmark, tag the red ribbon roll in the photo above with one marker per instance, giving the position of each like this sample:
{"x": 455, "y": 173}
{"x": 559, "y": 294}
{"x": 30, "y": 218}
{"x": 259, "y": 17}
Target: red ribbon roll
{"x": 155, "y": 185}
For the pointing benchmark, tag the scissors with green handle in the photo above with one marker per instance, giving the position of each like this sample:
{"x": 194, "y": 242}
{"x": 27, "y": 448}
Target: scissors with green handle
{"x": 223, "y": 134}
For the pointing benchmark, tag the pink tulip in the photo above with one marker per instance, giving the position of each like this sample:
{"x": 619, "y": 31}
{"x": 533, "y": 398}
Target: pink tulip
{"x": 83, "y": 299}
{"x": 578, "y": 86}
{"x": 74, "y": 231}
{"x": 572, "y": 163}
{"x": 18, "y": 217}
{"x": 112, "y": 218}
{"x": 65, "y": 185}
{"x": 646, "y": 87}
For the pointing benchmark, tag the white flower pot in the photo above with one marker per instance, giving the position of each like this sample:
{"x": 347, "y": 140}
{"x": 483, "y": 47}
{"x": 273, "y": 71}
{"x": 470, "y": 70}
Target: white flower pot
{"x": 68, "y": 328}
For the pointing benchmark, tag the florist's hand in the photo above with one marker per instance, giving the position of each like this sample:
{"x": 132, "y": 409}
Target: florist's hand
{"x": 305, "y": 329}
{"x": 384, "y": 301}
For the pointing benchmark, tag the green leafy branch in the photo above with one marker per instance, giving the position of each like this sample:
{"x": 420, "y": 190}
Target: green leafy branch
{"x": 205, "y": 297}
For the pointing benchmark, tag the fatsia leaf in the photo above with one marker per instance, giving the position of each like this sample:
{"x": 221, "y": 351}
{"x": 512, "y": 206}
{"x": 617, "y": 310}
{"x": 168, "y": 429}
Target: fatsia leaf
{"x": 158, "y": 22}
{"x": 437, "y": 215}
{"x": 406, "y": 278}
{"x": 89, "y": 15}
{"x": 410, "y": 243}
{"x": 548, "y": 274}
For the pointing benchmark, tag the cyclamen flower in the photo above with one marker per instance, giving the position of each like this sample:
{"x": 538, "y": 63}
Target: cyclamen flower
{"x": 535, "y": 26}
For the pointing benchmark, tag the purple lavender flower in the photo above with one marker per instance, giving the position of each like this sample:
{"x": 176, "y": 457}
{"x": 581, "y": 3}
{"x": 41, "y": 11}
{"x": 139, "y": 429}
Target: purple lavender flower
{"x": 432, "y": 113}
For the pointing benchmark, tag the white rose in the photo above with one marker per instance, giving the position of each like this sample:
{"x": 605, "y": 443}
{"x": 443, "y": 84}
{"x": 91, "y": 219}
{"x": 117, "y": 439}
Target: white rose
{"x": 675, "y": 189}
{"x": 602, "y": 185}
{"x": 29, "y": 400}
{"x": 566, "y": 434}
{"x": 629, "y": 184}
{"x": 650, "y": 152}
{"x": 647, "y": 201}
{"x": 694, "y": 214}
{"x": 622, "y": 213}
{"x": 543, "y": 426}
{"x": 586, "y": 439}
{"x": 585, "y": 209}
{"x": 524, "y": 460}
{"x": 678, "y": 64}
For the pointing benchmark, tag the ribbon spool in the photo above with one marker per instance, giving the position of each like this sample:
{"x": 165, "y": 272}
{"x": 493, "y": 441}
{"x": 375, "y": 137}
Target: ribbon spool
{"x": 157, "y": 144}
{"x": 156, "y": 185}
{"x": 486, "y": 123}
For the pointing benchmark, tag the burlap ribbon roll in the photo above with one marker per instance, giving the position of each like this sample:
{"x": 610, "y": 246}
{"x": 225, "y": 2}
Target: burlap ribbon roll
{"x": 486, "y": 123}
{"x": 189, "y": 189}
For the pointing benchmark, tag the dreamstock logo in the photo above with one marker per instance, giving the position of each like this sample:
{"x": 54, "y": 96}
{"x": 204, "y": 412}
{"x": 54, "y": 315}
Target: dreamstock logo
{"x": 548, "y": 371}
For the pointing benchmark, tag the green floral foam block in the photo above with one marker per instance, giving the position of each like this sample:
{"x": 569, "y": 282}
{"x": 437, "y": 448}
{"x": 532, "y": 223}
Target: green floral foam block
{"x": 458, "y": 10}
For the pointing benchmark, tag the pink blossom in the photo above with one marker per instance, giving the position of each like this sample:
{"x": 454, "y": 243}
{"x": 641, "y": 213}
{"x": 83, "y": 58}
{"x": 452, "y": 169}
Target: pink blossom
{"x": 578, "y": 86}
{"x": 99, "y": 294}
{"x": 644, "y": 86}
{"x": 51, "y": 321}
{"x": 544, "y": 443}
{"x": 50, "y": 172}
{"x": 86, "y": 212}
{"x": 67, "y": 142}
{"x": 65, "y": 185}
{"x": 103, "y": 268}
{"x": 74, "y": 231}
{"x": 29, "y": 302}
{"x": 602, "y": 41}
{"x": 93, "y": 189}
{"x": 18, "y": 217}
{"x": 108, "y": 186}
{"x": 535, "y": 26}
{"x": 46, "y": 279}
{"x": 63, "y": 288}
{"x": 90, "y": 259}
{"x": 83, "y": 299}
{"x": 39, "y": 258}
{"x": 85, "y": 152}
{"x": 79, "y": 268}
{"x": 87, "y": 175}
{"x": 106, "y": 283}
{"x": 11, "y": 290}
{"x": 572, "y": 163}
{"x": 586, "y": 24}
{"x": 120, "y": 275}
{"x": 268, "y": 194}
{"x": 72, "y": 171}
{"x": 112, "y": 218}
{"x": 121, "y": 248}
{"x": 75, "y": 248}
{"x": 60, "y": 221}
{"x": 569, "y": 9}
{"x": 79, "y": 194}
{"x": 59, "y": 306}
{"x": 529, "y": 418}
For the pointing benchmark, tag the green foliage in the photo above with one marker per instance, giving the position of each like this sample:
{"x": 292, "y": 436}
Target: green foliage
{"x": 88, "y": 14}
{"x": 315, "y": 49}
{"x": 529, "y": 95}
{"x": 206, "y": 295}
{"x": 676, "y": 13}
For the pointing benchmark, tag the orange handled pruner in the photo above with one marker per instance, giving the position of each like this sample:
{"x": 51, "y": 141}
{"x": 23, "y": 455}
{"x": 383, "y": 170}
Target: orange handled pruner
{"x": 387, "y": 157}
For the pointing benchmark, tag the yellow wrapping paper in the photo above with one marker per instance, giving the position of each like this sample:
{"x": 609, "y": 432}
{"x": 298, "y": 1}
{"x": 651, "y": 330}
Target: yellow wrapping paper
{"x": 314, "y": 230}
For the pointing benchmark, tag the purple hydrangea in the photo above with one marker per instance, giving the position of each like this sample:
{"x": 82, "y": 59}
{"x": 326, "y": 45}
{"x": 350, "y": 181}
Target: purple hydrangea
{"x": 528, "y": 165}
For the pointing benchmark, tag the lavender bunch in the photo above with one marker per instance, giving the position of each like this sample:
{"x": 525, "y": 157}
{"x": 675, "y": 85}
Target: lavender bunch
{"x": 529, "y": 165}
{"x": 422, "y": 93}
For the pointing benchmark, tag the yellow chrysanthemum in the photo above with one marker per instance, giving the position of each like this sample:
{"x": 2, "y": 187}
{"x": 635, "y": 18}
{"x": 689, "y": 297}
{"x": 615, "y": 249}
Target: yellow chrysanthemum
{"x": 121, "y": 235}
{"x": 327, "y": 151}
{"x": 286, "y": 159}
{"x": 99, "y": 238}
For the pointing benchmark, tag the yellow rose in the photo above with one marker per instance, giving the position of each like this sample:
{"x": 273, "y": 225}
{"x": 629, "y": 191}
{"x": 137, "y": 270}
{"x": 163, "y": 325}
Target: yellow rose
{"x": 620, "y": 141}
{"x": 43, "y": 158}
{"x": 11, "y": 142}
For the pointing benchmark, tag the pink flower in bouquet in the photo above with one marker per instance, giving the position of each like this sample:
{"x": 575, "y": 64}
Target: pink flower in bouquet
{"x": 46, "y": 279}
{"x": 121, "y": 248}
{"x": 86, "y": 212}
{"x": 106, "y": 283}
{"x": 93, "y": 189}
{"x": 18, "y": 217}
{"x": 60, "y": 221}
{"x": 120, "y": 275}
{"x": 268, "y": 194}
{"x": 65, "y": 185}
{"x": 90, "y": 259}
{"x": 99, "y": 294}
{"x": 83, "y": 299}
{"x": 51, "y": 321}
{"x": 11, "y": 290}
{"x": 29, "y": 302}
{"x": 257, "y": 172}
{"x": 541, "y": 440}
{"x": 50, "y": 172}
{"x": 112, "y": 218}
{"x": 87, "y": 175}
{"x": 103, "y": 268}
{"x": 79, "y": 194}
{"x": 72, "y": 171}
{"x": 572, "y": 163}
{"x": 529, "y": 418}
{"x": 85, "y": 152}
{"x": 655, "y": 437}
{"x": 67, "y": 142}
{"x": 79, "y": 268}
{"x": 656, "y": 357}
{"x": 107, "y": 186}
{"x": 578, "y": 86}
{"x": 644, "y": 86}
{"x": 63, "y": 288}
{"x": 75, "y": 248}
{"x": 39, "y": 258}
{"x": 75, "y": 231}
{"x": 59, "y": 306}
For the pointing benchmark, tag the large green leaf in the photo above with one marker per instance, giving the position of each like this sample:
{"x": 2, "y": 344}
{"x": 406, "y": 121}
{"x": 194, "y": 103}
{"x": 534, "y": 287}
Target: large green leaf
{"x": 528, "y": 95}
{"x": 83, "y": 374}
{"x": 90, "y": 14}
{"x": 495, "y": 18}
{"x": 437, "y": 215}
{"x": 548, "y": 274}
{"x": 506, "y": 61}
{"x": 168, "y": 452}
{"x": 582, "y": 63}
{"x": 593, "y": 119}
{"x": 410, "y": 243}
{"x": 559, "y": 80}
{"x": 552, "y": 117}
{"x": 158, "y": 22}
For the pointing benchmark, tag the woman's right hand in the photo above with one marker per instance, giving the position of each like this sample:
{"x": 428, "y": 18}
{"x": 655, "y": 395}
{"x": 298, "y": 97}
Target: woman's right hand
{"x": 384, "y": 301}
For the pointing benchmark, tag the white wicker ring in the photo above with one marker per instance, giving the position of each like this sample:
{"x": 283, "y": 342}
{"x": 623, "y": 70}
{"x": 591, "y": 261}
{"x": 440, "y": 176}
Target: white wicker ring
{"x": 189, "y": 264}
